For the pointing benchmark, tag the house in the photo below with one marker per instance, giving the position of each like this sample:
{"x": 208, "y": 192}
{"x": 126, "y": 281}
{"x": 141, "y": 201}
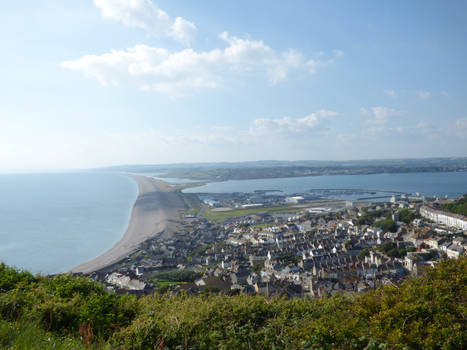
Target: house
{"x": 454, "y": 251}
{"x": 139, "y": 270}
{"x": 200, "y": 282}
{"x": 294, "y": 200}
{"x": 125, "y": 282}
{"x": 305, "y": 226}
{"x": 460, "y": 241}
{"x": 434, "y": 242}
{"x": 442, "y": 217}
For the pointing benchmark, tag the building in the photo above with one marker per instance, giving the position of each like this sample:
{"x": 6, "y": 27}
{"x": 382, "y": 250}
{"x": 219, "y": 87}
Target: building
{"x": 295, "y": 200}
{"x": 454, "y": 251}
{"x": 442, "y": 217}
{"x": 125, "y": 282}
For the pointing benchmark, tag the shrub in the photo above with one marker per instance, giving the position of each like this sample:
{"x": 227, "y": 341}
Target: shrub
{"x": 386, "y": 225}
{"x": 11, "y": 277}
{"x": 423, "y": 313}
{"x": 177, "y": 276}
{"x": 107, "y": 312}
{"x": 59, "y": 315}
{"x": 66, "y": 286}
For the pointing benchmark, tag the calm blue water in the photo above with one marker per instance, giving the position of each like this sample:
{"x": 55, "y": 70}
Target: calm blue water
{"x": 428, "y": 184}
{"x": 50, "y": 223}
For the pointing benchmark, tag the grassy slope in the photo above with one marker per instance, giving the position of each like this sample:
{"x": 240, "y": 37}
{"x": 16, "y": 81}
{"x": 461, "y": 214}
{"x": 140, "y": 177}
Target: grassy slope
{"x": 458, "y": 207}
{"x": 427, "y": 313}
{"x": 220, "y": 216}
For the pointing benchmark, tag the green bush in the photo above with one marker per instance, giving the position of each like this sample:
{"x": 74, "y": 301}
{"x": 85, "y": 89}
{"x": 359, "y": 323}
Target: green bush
{"x": 458, "y": 207}
{"x": 107, "y": 312}
{"x": 424, "y": 313}
{"x": 11, "y": 277}
{"x": 66, "y": 286}
{"x": 56, "y": 314}
{"x": 177, "y": 276}
{"x": 363, "y": 253}
{"x": 369, "y": 217}
{"x": 386, "y": 225}
{"x": 408, "y": 215}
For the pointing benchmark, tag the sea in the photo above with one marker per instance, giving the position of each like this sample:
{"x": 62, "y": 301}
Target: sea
{"x": 450, "y": 184}
{"x": 52, "y": 222}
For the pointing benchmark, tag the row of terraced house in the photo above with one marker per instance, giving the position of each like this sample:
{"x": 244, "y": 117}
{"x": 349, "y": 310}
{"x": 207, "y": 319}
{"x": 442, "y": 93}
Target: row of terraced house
{"x": 443, "y": 217}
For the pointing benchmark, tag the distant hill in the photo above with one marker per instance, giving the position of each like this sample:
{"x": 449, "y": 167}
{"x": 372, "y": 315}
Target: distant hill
{"x": 275, "y": 169}
{"x": 67, "y": 312}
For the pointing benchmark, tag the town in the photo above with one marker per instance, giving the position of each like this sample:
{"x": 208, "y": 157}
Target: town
{"x": 305, "y": 245}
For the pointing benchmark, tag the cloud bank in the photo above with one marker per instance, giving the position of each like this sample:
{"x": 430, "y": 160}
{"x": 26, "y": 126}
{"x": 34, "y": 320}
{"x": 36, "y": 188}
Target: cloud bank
{"x": 175, "y": 73}
{"x": 380, "y": 115}
{"x": 266, "y": 126}
{"x": 146, "y": 15}
{"x": 423, "y": 95}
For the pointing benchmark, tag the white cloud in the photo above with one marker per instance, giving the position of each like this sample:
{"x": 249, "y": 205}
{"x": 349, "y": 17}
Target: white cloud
{"x": 423, "y": 95}
{"x": 293, "y": 58}
{"x": 422, "y": 124}
{"x": 174, "y": 73}
{"x": 338, "y": 53}
{"x": 429, "y": 130}
{"x": 381, "y": 115}
{"x": 382, "y": 120}
{"x": 364, "y": 111}
{"x": 313, "y": 65}
{"x": 183, "y": 30}
{"x": 34, "y": 145}
{"x": 390, "y": 93}
{"x": 461, "y": 124}
{"x": 263, "y": 126}
{"x": 146, "y": 15}
{"x": 444, "y": 93}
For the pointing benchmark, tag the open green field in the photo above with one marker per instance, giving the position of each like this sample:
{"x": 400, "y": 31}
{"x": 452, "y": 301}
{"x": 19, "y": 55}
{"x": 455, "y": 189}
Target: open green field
{"x": 220, "y": 216}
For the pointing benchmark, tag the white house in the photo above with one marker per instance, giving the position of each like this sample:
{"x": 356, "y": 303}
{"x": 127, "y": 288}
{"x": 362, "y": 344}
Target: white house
{"x": 445, "y": 218}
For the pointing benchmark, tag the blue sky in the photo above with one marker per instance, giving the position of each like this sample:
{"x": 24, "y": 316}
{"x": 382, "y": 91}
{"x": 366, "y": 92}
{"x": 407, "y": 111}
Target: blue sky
{"x": 89, "y": 83}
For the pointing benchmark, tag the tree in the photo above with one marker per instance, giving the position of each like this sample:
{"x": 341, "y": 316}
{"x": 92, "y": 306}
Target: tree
{"x": 459, "y": 206}
{"x": 386, "y": 225}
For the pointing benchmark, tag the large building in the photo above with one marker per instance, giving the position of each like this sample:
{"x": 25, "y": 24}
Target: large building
{"x": 443, "y": 217}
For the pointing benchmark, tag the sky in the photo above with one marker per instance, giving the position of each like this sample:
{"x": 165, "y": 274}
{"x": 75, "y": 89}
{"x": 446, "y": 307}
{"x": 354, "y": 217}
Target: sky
{"x": 92, "y": 83}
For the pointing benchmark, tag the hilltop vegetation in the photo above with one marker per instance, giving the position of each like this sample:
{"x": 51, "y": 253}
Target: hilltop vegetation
{"x": 459, "y": 206}
{"x": 67, "y": 312}
{"x": 278, "y": 169}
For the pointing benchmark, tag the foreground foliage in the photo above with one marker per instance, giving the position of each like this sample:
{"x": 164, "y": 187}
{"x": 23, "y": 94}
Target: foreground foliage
{"x": 74, "y": 313}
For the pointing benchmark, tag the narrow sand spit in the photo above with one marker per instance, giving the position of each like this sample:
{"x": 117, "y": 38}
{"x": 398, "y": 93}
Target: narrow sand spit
{"x": 154, "y": 213}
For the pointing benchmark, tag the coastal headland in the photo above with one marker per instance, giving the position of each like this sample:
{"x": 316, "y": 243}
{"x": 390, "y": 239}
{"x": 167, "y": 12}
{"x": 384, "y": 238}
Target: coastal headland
{"x": 155, "y": 213}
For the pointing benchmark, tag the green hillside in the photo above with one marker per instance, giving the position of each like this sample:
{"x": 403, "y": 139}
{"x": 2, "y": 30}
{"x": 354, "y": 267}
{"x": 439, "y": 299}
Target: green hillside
{"x": 459, "y": 206}
{"x": 75, "y": 313}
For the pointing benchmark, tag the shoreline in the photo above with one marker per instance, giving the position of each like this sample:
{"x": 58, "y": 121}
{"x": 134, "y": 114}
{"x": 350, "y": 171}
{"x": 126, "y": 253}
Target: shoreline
{"x": 154, "y": 213}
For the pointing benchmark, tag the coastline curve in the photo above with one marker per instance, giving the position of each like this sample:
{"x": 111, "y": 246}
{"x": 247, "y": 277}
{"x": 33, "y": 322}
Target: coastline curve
{"x": 155, "y": 213}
